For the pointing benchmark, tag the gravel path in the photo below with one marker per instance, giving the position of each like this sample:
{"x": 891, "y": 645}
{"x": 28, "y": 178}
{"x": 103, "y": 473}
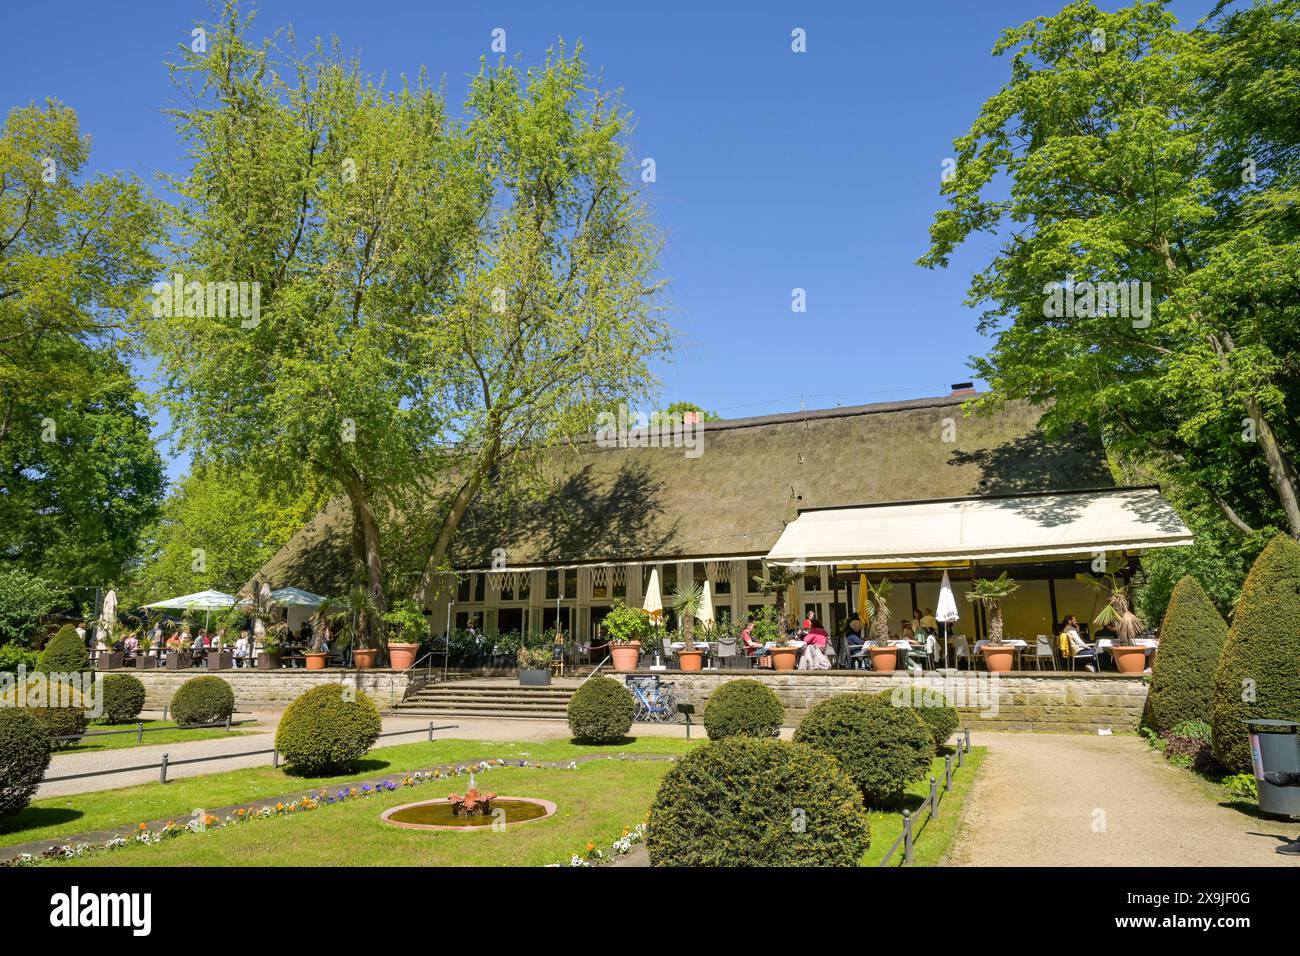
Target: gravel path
{"x": 1075, "y": 800}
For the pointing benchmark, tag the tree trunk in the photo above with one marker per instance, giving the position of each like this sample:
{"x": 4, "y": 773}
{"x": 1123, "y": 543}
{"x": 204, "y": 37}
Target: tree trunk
{"x": 425, "y": 590}
{"x": 364, "y": 519}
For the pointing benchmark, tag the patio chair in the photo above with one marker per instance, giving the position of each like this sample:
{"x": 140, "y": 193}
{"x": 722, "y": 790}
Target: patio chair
{"x": 668, "y": 653}
{"x": 858, "y": 658}
{"x": 725, "y": 656}
{"x": 1043, "y": 649}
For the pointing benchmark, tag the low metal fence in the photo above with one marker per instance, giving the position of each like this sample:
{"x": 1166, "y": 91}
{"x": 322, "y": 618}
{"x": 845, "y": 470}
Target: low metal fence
{"x": 914, "y": 822}
{"x": 167, "y": 762}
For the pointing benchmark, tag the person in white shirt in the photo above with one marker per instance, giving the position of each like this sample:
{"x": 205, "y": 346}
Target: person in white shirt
{"x": 1072, "y": 645}
{"x": 241, "y": 649}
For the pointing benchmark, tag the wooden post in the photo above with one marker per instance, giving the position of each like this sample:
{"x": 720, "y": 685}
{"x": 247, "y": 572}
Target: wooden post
{"x": 934, "y": 798}
{"x": 162, "y": 774}
{"x": 947, "y": 772}
{"x": 907, "y": 837}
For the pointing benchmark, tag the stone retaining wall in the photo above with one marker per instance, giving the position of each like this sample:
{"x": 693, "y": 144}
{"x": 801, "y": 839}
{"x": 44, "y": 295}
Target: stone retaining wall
{"x": 274, "y": 690}
{"x": 1049, "y": 702}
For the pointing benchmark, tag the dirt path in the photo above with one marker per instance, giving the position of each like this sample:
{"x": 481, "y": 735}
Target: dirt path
{"x": 1074, "y": 800}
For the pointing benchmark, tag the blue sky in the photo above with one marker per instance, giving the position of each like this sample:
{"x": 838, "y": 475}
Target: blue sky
{"x": 776, "y": 170}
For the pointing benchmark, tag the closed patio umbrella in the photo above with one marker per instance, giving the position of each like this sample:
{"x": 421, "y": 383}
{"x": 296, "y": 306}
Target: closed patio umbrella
{"x": 706, "y": 605}
{"x": 107, "y": 617}
{"x": 654, "y": 601}
{"x": 946, "y": 612}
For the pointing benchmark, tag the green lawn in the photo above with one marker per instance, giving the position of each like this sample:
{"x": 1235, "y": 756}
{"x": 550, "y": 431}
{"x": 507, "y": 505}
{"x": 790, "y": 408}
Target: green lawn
{"x": 595, "y": 803}
{"x": 60, "y": 816}
{"x": 931, "y": 841}
{"x": 161, "y": 734}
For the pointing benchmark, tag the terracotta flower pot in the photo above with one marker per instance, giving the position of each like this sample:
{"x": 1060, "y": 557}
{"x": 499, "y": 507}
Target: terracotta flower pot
{"x": 783, "y": 658}
{"x": 625, "y": 656}
{"x": 884, "y": 659}
{"x": 690, "y": 660}
{"x": 998, "y": 657}
{"x": 1129, "y": 660}
{"x": 316, "y": 660}
{"x": 402, "y": 655}
{"x": 364, "y": 657}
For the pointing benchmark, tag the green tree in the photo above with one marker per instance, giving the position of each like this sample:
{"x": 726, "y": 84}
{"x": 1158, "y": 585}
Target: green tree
{"x": 217, "y": 528}
{"x": 24, "y": 600}
{"x": 1126, "y": 150}
{"x": 79, "y": 475}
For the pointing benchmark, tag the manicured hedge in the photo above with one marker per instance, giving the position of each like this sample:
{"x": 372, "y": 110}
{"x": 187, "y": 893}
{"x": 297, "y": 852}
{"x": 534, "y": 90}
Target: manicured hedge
{"x": 882, "y": 748}
{"x": 123, "y": 698}
{"x": 328, "y": 730}
{"x": 42, "y": 698}
{"x": 743, "y": 708}
{"x": 66, "y": 653}
{"x": 601, "y": 711}
{"x": 1191, "y": 639}
{"x": 1259, "y": 671}
{"x": 749, "y": 802}
{"x": 24, "y": 757}
{"x": 930, "y": 705}
{"x": 203, "y": 700}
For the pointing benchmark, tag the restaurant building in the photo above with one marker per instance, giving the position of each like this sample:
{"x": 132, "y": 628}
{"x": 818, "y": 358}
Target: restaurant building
{"x": 903, "y": 489}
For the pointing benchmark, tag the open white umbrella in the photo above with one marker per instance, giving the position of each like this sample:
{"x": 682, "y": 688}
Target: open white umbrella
{"x": 946, "y": 612}
{"x": 199, "y": 601}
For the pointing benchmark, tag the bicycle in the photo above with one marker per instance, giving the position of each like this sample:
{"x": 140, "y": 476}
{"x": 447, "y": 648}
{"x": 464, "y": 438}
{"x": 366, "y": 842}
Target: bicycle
{"x": 656, "y": 702}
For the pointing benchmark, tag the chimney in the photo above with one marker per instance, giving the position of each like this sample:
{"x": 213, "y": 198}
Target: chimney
{"x": 963, "y": 388}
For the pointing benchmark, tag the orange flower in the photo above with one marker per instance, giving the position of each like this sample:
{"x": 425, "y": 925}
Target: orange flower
{"x": 144, "y": 826}
{"x": 591, "y": 847}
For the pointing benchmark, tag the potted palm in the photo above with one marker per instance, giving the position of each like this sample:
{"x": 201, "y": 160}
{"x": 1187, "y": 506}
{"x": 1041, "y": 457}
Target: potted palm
{"x": 884, "y": 655}
{"x": 144, "y": 659}
{"x": 407, "y": 622}
{"x": 1118, "y": 615}
{"x": 769, "y": 626}
{"x": 624, "y": 627}
{"x": 350, "y": 617}
{"x": 991, "y": 593}
{"x": 686, "y": 602}
{"x": 268, "y": 658}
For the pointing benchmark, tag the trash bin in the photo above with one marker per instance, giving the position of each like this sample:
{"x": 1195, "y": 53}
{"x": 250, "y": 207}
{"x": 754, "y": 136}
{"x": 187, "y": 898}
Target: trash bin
{"x": 1275, "y": 748}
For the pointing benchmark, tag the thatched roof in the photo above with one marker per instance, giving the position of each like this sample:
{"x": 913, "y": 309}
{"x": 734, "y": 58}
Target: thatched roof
{"x": 634, "y": 504}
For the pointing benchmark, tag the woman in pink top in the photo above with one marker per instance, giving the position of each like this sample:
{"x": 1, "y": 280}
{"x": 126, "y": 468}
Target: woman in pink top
{"x": 814, "y": 647}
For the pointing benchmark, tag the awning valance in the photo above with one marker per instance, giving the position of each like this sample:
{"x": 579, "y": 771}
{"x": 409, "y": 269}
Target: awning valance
{"x": 985, "y": 529}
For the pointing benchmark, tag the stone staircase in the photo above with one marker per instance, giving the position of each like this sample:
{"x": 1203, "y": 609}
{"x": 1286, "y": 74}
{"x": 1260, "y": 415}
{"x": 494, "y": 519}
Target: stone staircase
{"x": 487, "y": 698}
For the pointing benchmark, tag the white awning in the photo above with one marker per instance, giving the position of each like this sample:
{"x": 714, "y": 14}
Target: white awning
{"x": 962, "y": 530}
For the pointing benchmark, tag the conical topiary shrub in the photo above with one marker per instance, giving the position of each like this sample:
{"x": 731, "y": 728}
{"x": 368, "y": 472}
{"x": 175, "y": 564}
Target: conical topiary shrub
{"x": 65, "y": 654}
{"x": 1191, "y": 639}
{"x": 1259, "y": 671}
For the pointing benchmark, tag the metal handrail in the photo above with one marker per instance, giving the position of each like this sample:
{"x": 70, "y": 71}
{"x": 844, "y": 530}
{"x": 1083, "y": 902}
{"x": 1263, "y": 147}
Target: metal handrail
{"x": 594, "y": 671}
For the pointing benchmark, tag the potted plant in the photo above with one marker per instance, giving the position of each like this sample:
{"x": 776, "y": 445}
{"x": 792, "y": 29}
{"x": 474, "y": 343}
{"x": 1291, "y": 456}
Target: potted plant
{"x": 884, "y": 655}
{"x": 624, "y": 627}
{"x": 534, "y": 666}
{"x": 991, "y": 593}
{"x": 351, "y": 617}
{"x": 268, "y": 658}
{"x": 768, "y": 624}
{"x": 686, "y": 602}
{"x": 1118, "y": 615}
{"x": 178, "y": 653}
{"x": 144, "y": 659}
{"x": 407, "y": 621}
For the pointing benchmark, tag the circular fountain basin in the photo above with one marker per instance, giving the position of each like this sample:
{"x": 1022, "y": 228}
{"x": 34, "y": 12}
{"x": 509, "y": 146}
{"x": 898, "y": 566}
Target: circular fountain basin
{"x": 438, "y": 815}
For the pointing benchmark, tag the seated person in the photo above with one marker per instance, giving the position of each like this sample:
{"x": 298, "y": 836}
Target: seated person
{"x": 752, "y": 647}
{"x": 854, "y": 635}
{"x": 908, "y": 634}
{"x": 1073, "y": 646}
{"x": 814, "y": 649}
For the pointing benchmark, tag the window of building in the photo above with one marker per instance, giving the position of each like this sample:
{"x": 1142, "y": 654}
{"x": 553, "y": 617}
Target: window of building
{"x": 812, "y": 580}
{"x": 753, "y": 574}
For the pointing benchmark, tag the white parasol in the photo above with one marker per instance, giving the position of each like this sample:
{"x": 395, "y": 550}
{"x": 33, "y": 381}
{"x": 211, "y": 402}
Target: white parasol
{"x": 946, "y": 612}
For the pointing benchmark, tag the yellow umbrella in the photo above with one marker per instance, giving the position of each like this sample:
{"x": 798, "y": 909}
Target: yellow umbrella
{"x": 862, "y": 599}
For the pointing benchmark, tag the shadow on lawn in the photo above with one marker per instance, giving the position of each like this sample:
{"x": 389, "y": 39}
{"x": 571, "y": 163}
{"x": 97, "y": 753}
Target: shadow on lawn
{"x": 32, "y": 818}
{"x": 366, "y": 766}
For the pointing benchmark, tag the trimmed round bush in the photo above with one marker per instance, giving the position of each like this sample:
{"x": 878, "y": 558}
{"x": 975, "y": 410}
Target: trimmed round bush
{"x": 24, "y": 757}
{"x": 123, "y": 698}
{"x": 324, "y": 731}
{"x": 1192, "y": 635}
{"x": 601, "y": 711}
{"x": 1259, "y": 670}
{"x": 743, "y": 801}
{"x": 930, "y": 705}
{"x": 65, "y": 654}
{"x": 203, "y": 700}
{"x": 57, "y": 706}
{"x": 743, "y": 708}
{"x": 882, "y": 748}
